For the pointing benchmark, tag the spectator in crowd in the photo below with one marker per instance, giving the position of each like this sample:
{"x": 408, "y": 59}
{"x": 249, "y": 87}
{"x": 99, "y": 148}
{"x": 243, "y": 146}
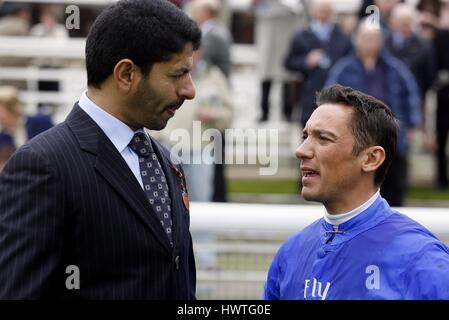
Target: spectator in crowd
{"x": 49, "y": 27}
{"x": 361, "y": 249}
{"x": 216, "y": 50}
{"x": 375, "y": 72}
{"x": 430, "y": 6}
{"x": 429, "y": 14}
{"x": 314, "y": 51}
{"x": 382, "y": 9}
{"x": 15, "y": 123}
{"x": 362, "y": 9}
{"x": 348, "y": 24}
{"x": 417, "y": 54}
{"x": 275, "y": 24}
{"x": 444, "y": 16}
{"x": 385, "y": 9}
{"x": 17, "y": 20}
{"x": 7, "y": 149}
{"x": 216, "y": 38}
{"x": 442, "y": 89}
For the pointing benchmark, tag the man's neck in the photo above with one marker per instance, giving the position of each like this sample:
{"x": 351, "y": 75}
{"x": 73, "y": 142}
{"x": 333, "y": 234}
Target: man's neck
{"x": 104, "y": 100}
{"x": 350, "y": 202}
{"x": 337, "y": 219}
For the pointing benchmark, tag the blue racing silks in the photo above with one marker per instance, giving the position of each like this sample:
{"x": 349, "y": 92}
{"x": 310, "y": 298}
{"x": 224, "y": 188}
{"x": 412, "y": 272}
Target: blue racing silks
{"x": 378, "y": 254}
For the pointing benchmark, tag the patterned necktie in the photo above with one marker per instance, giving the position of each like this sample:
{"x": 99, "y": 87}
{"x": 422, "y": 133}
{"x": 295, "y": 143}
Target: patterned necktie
{"x": 154, "y": 181}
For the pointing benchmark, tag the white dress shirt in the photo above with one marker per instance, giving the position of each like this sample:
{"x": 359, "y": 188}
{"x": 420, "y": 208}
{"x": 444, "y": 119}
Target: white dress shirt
{"x": 117, "y": 131}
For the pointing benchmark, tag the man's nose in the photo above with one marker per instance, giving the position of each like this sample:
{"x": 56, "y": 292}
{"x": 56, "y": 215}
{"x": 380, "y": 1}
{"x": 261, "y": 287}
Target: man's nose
{"x": 304, "y": 151}
{"x": 187, "y": 89}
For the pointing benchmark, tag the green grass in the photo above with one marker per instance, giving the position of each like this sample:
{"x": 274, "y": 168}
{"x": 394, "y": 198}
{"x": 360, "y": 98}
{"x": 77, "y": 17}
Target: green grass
{"x": 264, "y": 186}
{"x": 427, "y": 193}
{"x": 289, "y": 187}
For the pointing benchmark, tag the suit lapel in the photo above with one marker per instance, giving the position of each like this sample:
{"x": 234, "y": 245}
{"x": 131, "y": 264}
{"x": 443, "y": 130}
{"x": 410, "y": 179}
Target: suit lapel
{"x": 113, "y": 168}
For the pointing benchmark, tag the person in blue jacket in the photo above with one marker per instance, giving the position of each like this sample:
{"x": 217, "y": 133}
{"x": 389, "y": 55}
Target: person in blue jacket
{"x": 361, "y": 248}
{"x": 7, "y": 148}
{"x": 13, "y": 121}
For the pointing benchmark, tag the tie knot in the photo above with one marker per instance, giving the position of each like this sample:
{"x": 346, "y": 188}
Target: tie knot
{"x": 141, "y": 145}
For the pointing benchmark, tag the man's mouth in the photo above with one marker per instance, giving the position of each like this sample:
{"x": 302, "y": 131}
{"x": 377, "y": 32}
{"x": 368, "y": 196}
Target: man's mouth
{"x": 309, "y": 173}
{"x": 171, "y": 109}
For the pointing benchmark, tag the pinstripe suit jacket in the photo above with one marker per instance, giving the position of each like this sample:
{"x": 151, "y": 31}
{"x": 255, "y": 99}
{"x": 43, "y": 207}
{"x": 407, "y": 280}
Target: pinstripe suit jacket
{"x": 67, "y": 197}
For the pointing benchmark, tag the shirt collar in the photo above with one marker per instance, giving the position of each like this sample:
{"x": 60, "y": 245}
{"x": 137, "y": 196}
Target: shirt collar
{"x": 398, "y": 39}
{"x": 117, "y": 131}
{"x": 322, "y": 30}
{"x": 337, "y": 219}
{"x": 374, "y": 214}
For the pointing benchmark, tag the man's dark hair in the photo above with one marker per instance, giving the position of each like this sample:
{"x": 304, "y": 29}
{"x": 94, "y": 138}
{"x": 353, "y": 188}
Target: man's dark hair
{"x": 372, "y": 123}
{"x": 143, "y": 31}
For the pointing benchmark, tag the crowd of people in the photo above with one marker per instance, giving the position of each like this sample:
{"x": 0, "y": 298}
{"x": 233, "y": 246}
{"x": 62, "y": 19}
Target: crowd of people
{"x": 306, "y": 46}
{"x": 212, "y": 69}
{"x": 399, "y": 61}
{"x": 98, "y": 195}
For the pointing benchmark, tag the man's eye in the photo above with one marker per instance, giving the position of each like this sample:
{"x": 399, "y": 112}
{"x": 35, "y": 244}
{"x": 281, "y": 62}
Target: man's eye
{"x": 179, "y": 76}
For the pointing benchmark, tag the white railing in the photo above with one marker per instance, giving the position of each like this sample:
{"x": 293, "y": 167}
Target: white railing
{"x": 286, "y": 219}
{"x": 73, "y": 49}
{"x": 69, "y": 54}
{"x": 35, "y": 47}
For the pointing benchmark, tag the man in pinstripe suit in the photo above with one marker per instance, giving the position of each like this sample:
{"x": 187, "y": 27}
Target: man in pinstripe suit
{"x": 74, "y": 199}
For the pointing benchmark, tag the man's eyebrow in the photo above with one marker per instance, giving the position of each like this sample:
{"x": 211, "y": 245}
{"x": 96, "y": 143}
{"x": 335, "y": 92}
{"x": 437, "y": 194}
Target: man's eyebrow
{"x": 318, "y": 132}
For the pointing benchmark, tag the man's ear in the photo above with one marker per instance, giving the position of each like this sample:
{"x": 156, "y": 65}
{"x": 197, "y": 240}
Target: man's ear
{"x": 373, "y": 158}
{"x": 126, "y": 75}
